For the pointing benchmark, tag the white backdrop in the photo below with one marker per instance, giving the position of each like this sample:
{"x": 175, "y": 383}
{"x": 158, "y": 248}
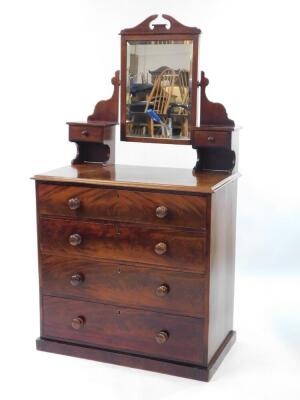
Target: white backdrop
{"x": 57, "y": 58}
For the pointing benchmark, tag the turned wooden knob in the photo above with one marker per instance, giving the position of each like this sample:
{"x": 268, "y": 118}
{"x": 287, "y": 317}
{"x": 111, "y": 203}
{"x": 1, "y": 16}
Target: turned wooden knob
{"x": 211, "y": 138}
{"x": 162, "y": 290}
{"x": 160, "y": 248}
{"x": 85, "y": 132}
{"x": 76, "y": 279}
{"x": 161, "y": 337}
{"x": 74, "y": 203}
{"x": 77, "y": 323}
{"x": 75, "y": 239}
{"x": 161, "y": 212}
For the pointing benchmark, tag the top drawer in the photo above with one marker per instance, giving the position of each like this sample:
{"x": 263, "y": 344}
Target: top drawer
{"x": 123, "y": 205}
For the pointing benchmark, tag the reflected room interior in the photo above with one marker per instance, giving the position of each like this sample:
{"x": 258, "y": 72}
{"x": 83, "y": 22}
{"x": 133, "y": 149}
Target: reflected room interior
{"x": 158, "y": 89}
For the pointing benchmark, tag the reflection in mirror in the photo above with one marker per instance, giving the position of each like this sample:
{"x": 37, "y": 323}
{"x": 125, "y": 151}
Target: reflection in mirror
{"x": 158, "y": 89}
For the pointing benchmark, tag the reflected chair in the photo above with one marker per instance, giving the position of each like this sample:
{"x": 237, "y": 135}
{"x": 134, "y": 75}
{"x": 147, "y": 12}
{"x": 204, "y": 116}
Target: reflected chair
{"x": 160, "y": 96}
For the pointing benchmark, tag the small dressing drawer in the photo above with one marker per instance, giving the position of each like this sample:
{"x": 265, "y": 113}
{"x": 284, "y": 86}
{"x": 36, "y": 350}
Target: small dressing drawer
{"x": 138, "y": 331}
{"x": 86, "y": 133}
{"x": 173, "y": 292}
{"x": 161, "y": 209}
{"x": 175, "y": 249}
{"x": 212, "y": 139}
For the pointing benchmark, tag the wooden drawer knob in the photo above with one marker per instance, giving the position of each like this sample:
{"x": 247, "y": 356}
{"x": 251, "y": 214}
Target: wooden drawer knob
{"x": 85, "y": 133}
{"x": 162, "y": 290}
{"x": 75, "y": 239}
{"x": 78, "y": 323}
{"x": 74, "y": 203}
{"x": 77, "y": 279}
{"x": 211, "y": 139}
{"x": 161, "y": 337}
{"x": 161, "y": 212}
{"x": 160, "y": 248}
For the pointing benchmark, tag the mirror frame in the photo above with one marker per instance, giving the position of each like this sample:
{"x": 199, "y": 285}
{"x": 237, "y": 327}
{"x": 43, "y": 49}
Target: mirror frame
{"x": 144, "y": 31}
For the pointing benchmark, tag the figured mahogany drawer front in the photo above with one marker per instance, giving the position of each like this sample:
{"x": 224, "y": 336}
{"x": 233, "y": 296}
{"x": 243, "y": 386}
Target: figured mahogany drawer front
{"x": 86, "y": 134}
{"x": 212, "y": 139}
{"x": 145, "y": 332}
{"x": 174, "y": 292}
{"x": 165, "y": 247}
{"x": 122, "y": 205}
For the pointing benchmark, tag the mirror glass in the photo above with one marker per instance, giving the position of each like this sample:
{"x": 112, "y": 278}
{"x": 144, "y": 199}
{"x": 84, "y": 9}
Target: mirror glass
{"x": 158, "y": 89}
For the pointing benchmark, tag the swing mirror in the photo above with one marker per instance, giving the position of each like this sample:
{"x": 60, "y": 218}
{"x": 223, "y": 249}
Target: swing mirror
{"x": 158, "y": 84}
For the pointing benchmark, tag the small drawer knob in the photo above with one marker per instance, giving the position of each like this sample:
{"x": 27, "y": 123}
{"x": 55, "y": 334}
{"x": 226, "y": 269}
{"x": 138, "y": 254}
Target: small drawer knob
{"x": 77, "y": 279}
{"x": 161, "y": 212}
{"x": 75, "y": 239}
{"x": 211, "y": 139}
{"x": 78, "y": 323}
{"x": 162, "y": 290}
{"x": 160, "y": 248}
{"x": 74, "y": 203}
{"x": 161, "y": 337}
{"x": 85, "y": 133}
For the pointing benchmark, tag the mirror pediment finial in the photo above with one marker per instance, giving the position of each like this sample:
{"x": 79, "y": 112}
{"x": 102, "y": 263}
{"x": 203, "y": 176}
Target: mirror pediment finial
{"x": 148, "y": 27}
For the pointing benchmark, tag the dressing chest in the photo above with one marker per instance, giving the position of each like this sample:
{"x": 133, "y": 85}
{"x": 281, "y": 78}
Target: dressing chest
{"x": 136, "y": 264}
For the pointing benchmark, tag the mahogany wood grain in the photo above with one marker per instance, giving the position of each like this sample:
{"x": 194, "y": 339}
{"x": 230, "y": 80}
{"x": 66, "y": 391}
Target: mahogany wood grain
{"x": 186, "y": 250}
{"x": 220, "y": 152}
{"x": 123, "y": 205}
{"x": 136, "y": 264}
{"x": 124, "y": 329}
{"x": 120, "y": 284}
{"x": 95, "y": 139}
{"x": 139, "y": 177}
{"x": 89, "y": 132}
{"x": 222, "y": 265}
{"x": 108, "y": 110}
{"x": 212, "y": 113}
{"x": 213, "y": 139}
{"x": 208, "y": 138}
{"x": 135, "y": 361}
{"x": 147, "y": 27}
{"x": 211, "y": 158}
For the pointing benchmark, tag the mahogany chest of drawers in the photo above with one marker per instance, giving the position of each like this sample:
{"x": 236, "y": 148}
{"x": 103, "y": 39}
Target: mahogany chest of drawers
{"x": 136, "y": 266}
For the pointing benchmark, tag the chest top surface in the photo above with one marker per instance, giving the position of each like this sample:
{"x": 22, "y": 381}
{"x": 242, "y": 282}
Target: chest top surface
{"x": 155, "y": 178}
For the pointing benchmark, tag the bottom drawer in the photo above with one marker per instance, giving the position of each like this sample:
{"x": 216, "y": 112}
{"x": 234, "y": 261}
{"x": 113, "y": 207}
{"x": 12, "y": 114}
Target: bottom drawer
{"x": 142, "y": 332}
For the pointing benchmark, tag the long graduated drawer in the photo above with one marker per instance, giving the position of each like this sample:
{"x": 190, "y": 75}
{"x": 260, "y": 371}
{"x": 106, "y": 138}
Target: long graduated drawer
{"x": 163, "y": 209}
